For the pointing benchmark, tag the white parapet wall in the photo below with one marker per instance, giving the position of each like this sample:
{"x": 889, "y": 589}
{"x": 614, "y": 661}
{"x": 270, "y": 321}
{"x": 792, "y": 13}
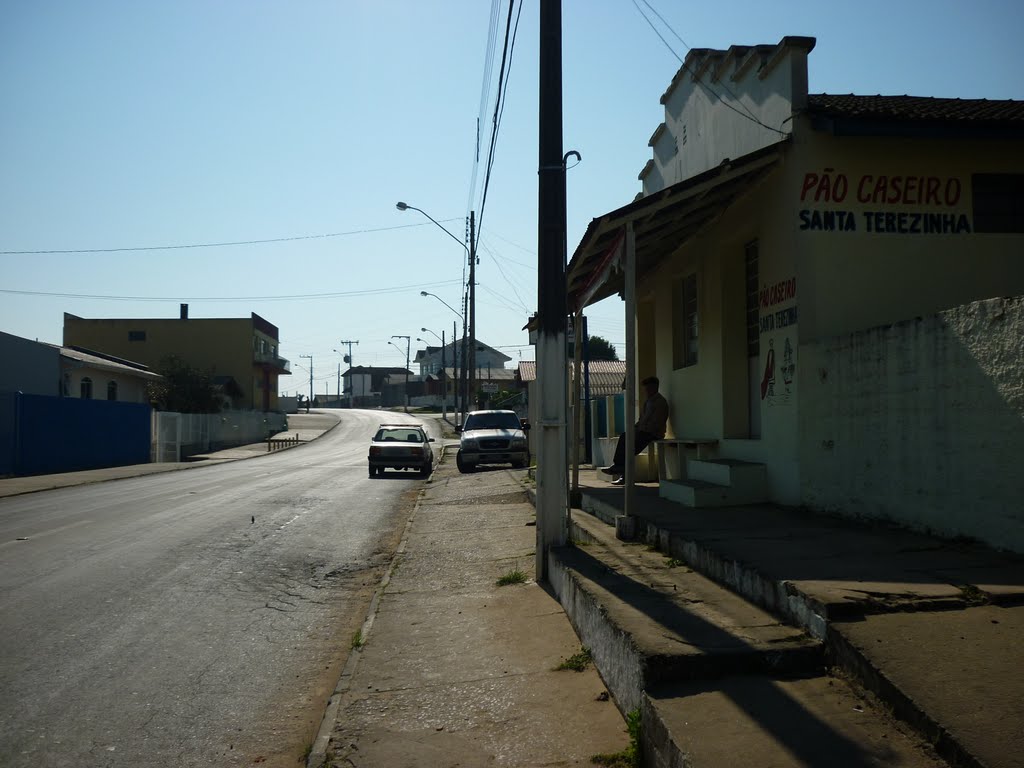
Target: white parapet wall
{"x": 920, "y": 423}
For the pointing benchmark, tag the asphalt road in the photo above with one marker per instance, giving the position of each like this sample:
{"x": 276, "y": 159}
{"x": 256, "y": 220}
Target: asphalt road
{"x": 151, "y": 621}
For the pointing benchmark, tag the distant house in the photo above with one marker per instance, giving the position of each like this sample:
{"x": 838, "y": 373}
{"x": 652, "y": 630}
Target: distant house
{"x": 433, "y": 359}
{"x": 365, "y": 384}
{"x": 242, "y": 354}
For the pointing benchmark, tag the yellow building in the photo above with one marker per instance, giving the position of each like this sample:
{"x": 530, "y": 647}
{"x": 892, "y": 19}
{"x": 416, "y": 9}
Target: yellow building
{"x": 816, "y": 288}
{"x": 244, "y": 351}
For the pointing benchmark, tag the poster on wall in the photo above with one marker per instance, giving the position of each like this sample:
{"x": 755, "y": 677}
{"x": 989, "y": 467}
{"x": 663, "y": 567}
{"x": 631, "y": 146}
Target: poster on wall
{"x": 778, "y": 317}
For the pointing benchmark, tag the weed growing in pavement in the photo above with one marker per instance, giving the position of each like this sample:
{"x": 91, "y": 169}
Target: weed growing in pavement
{"x": 580, "y": 542}
{"x": 630, "y": 756}
{"x": 577, "y": 662}
{"x": 512, "y": 577}
{"x": 672, "y": 562}
{"x": 357, "y": 639}
{"x": 973, "y": 595}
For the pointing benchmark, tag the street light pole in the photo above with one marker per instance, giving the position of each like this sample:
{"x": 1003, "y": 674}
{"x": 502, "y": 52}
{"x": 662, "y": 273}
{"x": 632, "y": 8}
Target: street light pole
{"x": 458, "y": 379}
{"x": 444, "y": 384}
{"x": 469, "y": 356}
{"x": 406, "y": 369}
{"x": 310, "y": 402}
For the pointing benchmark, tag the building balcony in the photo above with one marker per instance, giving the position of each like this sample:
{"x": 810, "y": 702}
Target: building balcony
{"x": 273, "y": 362}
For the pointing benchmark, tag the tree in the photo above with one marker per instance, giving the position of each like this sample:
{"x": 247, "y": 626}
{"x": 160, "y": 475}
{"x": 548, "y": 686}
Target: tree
{"x": 183, "y": 389}
{"x": 599, "y": 348}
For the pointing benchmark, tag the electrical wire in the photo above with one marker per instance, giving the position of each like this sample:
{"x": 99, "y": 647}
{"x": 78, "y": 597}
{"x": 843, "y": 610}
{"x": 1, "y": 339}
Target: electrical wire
{"x": 748, "y": 115}
{"x": 293, "y": 297}
{"x": 216, "y": 245}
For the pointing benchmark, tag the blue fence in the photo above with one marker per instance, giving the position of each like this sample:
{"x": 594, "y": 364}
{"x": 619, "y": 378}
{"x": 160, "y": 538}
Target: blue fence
{"x": 41, "y": 435}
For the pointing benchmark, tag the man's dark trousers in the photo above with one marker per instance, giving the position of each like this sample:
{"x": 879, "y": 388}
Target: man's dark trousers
{"x": 641, "y": 439}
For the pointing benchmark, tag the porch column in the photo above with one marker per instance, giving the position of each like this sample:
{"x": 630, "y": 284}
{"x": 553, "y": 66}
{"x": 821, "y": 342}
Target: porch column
{"x": 627, "y": 529}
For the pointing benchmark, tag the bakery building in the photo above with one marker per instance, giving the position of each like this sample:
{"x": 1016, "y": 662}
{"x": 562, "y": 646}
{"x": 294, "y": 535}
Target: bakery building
{"x": 828, "y": 288}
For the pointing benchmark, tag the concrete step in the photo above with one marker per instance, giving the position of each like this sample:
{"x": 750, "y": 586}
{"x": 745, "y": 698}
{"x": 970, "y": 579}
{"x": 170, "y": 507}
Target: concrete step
{"x": 701, "y": 493}
{"x": 774, "y": 721}
{"x": 735, "y": 473}
{"x": 649, "y": 620}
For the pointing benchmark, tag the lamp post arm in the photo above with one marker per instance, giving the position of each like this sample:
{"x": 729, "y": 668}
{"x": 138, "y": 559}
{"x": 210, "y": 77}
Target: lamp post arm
{"x": 406, "y": 206}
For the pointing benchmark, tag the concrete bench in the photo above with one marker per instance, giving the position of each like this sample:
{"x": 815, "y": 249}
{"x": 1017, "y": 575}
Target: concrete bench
{"x": 672, "y": 454}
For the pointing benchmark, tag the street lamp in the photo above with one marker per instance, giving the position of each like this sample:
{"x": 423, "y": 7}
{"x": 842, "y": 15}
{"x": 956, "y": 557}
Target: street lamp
{"x": 469, "y": 356}
{"x": 427, "y": 330}
{"x": 455, "y": 356}
{"x": 406, "y": 365}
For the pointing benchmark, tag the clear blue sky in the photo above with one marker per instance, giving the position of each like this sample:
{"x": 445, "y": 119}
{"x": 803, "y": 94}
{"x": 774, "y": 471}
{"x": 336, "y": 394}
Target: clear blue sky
{"x": 142, "y": 123}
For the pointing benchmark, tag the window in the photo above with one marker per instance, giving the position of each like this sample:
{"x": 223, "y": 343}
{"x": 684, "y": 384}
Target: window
{"x": 111, "y": 390}
{"x": 136, "y": 335}
{"x": 998, "y": 202}
{"x": 85, "y": 389}
{"x": 753, "y": 316}
{"x": 687, "y": 322}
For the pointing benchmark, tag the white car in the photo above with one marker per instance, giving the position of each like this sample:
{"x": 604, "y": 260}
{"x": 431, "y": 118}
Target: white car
{"x": 400, "y": 446}
{"x": 492, "y": 437}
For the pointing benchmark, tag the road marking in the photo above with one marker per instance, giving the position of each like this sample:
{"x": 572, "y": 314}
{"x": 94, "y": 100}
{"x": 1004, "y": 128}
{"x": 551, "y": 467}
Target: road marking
{"x": 50, "y": 532}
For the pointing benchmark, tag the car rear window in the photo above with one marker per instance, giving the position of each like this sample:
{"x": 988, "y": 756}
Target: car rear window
{"x": 398, "y": 436}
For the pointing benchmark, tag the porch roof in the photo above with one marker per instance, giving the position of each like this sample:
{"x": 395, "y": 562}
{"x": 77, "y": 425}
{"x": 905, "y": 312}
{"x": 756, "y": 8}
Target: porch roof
{"x": 662, "y": 222}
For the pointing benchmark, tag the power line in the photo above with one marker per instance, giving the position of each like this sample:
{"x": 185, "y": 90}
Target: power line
{"x": 748, "y": 115}
{"x": 214, "y": 245}
{"x": 293, "y": 297}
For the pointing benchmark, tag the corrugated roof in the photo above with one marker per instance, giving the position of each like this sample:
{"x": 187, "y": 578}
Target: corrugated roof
{"x": 106, "y": 364}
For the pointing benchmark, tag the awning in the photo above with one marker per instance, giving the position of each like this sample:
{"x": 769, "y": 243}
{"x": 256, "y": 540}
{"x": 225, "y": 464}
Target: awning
{"x": 662, "y": 222}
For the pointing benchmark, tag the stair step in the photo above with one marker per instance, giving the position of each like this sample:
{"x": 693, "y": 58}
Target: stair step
{"x": 773, "y": 720}
{"x": 648, "y": 620}
{"x": 701, "y": 493}
{"x": 735, "y": 473}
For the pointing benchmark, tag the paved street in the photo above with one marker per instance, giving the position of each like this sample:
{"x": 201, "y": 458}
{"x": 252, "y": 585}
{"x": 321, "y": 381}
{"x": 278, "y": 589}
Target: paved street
{"x": 190, "y": 618}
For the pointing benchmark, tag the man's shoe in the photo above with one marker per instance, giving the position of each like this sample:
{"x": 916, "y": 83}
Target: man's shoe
{"x": 611, "y": 469}
{"x": 619, "y": 480}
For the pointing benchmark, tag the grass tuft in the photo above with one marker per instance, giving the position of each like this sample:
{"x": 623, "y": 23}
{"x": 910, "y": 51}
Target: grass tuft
{"x": 512, "y": 577}
{"x": 357, "y": 639}
{"x": 577, "y": 662}
{"x": 630, "y": 756}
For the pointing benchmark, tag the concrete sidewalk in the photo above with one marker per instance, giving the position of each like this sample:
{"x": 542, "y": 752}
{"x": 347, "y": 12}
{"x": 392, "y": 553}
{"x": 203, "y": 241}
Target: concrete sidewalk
{"x": 455, "y": 670}
{"x": 306, "y": 427}
{"x": 931, "y": 627}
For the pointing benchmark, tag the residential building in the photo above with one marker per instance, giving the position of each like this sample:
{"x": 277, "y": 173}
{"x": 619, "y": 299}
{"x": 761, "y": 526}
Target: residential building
{"x": 38, "y": 368}
{"x": 815, "y": 288}
{"x": 242, "y": 354}
{"x": 487, "y": 357}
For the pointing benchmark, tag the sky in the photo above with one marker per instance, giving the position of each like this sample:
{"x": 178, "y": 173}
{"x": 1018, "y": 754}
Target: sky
{"x": 129, "y": 126}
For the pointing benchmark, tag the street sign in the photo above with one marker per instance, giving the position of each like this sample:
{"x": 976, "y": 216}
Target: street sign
{"x": 489, "y": 386}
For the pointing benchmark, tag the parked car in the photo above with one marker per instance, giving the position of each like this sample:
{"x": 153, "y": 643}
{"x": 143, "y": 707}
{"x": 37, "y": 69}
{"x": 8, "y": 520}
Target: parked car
{"x": 492, "y": 437}
{"x": 400, "y": 446}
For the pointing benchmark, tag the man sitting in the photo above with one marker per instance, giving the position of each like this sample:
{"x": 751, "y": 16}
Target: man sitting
{"x": 650, "y": 427}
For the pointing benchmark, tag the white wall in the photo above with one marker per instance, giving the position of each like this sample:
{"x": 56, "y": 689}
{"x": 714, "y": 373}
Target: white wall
{"x": 921, "y": 422}
{"x": 709, "y": 121}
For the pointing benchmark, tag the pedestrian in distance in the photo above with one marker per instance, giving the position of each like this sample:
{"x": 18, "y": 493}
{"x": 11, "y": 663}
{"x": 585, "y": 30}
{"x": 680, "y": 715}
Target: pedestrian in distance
{"x": 650, "y": 427}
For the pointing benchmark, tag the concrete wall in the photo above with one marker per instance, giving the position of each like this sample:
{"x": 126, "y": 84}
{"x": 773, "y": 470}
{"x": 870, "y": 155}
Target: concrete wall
{"x": 921, "y": 422}
{"x": 28, "y": 366}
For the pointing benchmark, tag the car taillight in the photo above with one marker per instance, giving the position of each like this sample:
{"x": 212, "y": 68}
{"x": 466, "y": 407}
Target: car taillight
{"x": 416, "y": 451}
{"x": 375, "y": 450}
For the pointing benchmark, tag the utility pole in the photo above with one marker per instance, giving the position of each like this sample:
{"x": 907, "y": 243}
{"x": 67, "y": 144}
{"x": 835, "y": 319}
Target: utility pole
{"x": 407, "y": 343}
{"x": 455, "y": 373}
{"x": 310, "y": 358}
{"x": 351, "y": 379}
{"x": 472, "y": 305}
{"x": 552, "y": 469}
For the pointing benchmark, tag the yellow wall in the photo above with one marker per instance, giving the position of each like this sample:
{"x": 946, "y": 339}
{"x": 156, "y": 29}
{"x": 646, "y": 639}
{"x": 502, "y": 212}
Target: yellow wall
{"x": 222, "y": 347}
{"x": 853, "y": 280}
